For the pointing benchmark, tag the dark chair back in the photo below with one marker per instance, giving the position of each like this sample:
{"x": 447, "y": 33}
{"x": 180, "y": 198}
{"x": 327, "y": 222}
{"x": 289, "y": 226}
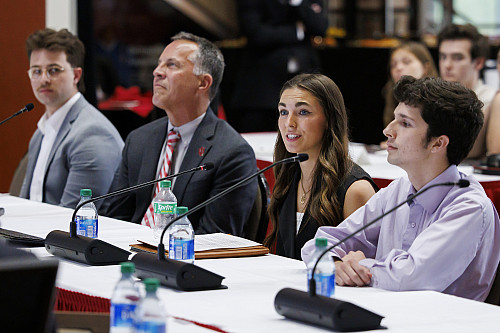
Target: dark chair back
{"x": 494, "y": 295}
{"x": 258, "y": 221}
{"x": 18, "y": 178}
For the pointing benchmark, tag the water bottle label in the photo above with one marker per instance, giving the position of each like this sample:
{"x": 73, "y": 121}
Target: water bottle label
{"x": 122, "y": 315}
{"x": 86, "y": 227}
{"x": 181, "y": 249}
{"x": 164, "y": 207}
{"x": 325, "y": 284}
{"x": 151, "y": 327}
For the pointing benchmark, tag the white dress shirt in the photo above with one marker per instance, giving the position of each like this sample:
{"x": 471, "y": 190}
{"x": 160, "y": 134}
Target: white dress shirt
{"x": 49, "y": 126}
{"x": 298, "y": 219}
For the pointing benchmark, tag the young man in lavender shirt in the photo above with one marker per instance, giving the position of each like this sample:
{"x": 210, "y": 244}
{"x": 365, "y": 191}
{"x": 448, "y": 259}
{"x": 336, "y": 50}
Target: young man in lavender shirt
{"x": 448, "y": 238}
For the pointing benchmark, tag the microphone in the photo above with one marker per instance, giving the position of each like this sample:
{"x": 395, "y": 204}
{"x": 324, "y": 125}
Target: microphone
{"x": 185, "y": 276}
{"x": 330, "y": 312}
{"x": 94, "y": 251}
{"x": 26, "y": 108}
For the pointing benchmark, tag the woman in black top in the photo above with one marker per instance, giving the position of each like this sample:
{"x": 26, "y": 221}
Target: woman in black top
{"x": 326, "y": 188}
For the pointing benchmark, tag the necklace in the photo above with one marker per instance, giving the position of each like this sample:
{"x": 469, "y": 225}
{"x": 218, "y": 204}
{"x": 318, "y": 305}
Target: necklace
{"x": 304, "y": 193}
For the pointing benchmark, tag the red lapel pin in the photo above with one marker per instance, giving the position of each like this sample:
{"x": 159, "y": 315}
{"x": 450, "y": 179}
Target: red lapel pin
{"x": 201, "y": 151}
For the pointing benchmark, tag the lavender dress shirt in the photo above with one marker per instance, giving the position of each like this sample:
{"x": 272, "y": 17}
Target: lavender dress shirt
{"x": 447, "y": 239}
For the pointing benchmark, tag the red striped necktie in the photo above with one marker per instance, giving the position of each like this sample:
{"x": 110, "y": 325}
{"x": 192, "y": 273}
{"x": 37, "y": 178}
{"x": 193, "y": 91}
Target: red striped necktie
{"x": 172, "y": 140}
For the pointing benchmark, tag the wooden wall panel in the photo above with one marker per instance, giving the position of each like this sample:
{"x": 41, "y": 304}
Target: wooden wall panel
{"x": 17, "y": 20}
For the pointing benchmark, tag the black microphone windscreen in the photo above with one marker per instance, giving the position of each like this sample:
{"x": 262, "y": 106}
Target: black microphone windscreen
{"x": 176, "y": 274}
{"x": 325, "y": 311}
{"x": 463, "y": 183}
{"x": 90, "y": 251}
{"x": 208, "y": 166}
{"x": 302, "y": 157}
{"x": 29, "y": 106}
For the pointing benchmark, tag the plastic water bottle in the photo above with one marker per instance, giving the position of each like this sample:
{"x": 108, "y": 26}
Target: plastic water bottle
{"x": 86, "y": 217}
{"x": 150, "y": 314}
{"x": 164, "y": 204}
{"x": 325, "y": 271}
{"x": 124, "y": 301}
{"x": 181, "y": 238}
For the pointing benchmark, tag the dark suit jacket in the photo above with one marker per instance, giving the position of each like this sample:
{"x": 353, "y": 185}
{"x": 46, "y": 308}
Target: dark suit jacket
{"x": 270, "y": 27}
{"x": 233, "y": 160}
{"x": 288, "y": 242}
{"x": 85, "y": 154}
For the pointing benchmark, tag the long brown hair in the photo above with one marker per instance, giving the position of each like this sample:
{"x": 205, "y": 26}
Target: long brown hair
{"x": 333, "y": 161}
{"x": 423, "y": 55}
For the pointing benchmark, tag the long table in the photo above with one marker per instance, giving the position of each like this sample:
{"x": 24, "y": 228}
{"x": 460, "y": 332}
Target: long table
{"x": 248, "y": 303}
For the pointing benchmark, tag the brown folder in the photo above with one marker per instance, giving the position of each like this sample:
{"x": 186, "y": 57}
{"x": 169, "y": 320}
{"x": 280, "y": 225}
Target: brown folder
{"x": 250, "y": 251}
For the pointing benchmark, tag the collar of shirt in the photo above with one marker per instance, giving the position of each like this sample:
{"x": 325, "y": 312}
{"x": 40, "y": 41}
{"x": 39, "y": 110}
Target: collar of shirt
{"x": 187, "y": 130}
{"x": 485, "y": 93}
{"x": 434, "y": 196}
{"x": 54, "y": 122}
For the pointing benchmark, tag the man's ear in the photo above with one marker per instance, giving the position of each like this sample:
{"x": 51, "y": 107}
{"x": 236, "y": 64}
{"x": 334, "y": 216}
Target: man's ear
{"x": 440, "y": 143}
{"x": 77, "y": 71}
{"x": 479, "y": 63}
{"x": 205, "y": 81}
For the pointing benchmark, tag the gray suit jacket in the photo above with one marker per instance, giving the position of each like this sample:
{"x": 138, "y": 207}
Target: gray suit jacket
{"x": 213, "y": 141}
{"x": 85, "y": 154}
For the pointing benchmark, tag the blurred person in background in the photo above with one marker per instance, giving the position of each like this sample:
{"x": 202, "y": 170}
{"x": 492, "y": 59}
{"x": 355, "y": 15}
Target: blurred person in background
{"x": 462, "y": 54}
{"x": 493, "y": 129}
{"x": 408, "y": 58}
{"x": 279, "y": 34}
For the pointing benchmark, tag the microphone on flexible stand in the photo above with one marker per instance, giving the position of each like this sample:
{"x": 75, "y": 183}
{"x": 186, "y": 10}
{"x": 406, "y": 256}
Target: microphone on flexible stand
{"x": 330, "y": 312}
{"x": 94, "y": 251}
{"x": 185, "y": 276}
{"x": 26, "y": 108}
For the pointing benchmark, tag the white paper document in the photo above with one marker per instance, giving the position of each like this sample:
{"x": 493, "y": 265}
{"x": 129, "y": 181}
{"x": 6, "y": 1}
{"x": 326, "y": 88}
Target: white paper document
{"x": 211, "y": 242}
{"x": 220, "y": 241}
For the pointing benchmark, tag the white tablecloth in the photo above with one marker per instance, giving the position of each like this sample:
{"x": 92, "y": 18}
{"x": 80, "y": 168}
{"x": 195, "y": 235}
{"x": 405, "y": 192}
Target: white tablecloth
{"x": 248, "y": 303}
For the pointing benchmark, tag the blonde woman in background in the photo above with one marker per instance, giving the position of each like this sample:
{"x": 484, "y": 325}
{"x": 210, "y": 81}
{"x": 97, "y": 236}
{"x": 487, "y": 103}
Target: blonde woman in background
{"x": 408, "y": 58}
{"x": 493, "y": 124}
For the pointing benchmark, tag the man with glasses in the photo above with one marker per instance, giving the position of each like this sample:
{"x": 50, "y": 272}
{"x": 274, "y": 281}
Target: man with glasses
{"x": 75, "y": 146}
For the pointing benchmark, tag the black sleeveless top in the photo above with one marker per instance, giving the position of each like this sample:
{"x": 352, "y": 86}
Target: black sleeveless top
{"x": 288, "y": 242}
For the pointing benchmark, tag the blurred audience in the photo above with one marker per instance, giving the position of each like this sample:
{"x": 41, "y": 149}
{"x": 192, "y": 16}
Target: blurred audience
{"x": 279, "y": 46}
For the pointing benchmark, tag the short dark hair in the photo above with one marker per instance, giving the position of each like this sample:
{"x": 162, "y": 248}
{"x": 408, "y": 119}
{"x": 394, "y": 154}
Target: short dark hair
{"x": 56, "y": 41}
{"x": 479, "y": 43}
{"x": 208, "y": 59}
{"x": 448, "y": 108}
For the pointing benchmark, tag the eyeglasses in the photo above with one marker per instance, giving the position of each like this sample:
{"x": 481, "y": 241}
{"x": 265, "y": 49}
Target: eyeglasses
{"x": 52, "y": 72}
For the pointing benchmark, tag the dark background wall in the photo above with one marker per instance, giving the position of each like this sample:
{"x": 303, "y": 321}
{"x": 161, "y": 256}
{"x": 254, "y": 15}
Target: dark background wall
{"x": 360, "y": 74}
